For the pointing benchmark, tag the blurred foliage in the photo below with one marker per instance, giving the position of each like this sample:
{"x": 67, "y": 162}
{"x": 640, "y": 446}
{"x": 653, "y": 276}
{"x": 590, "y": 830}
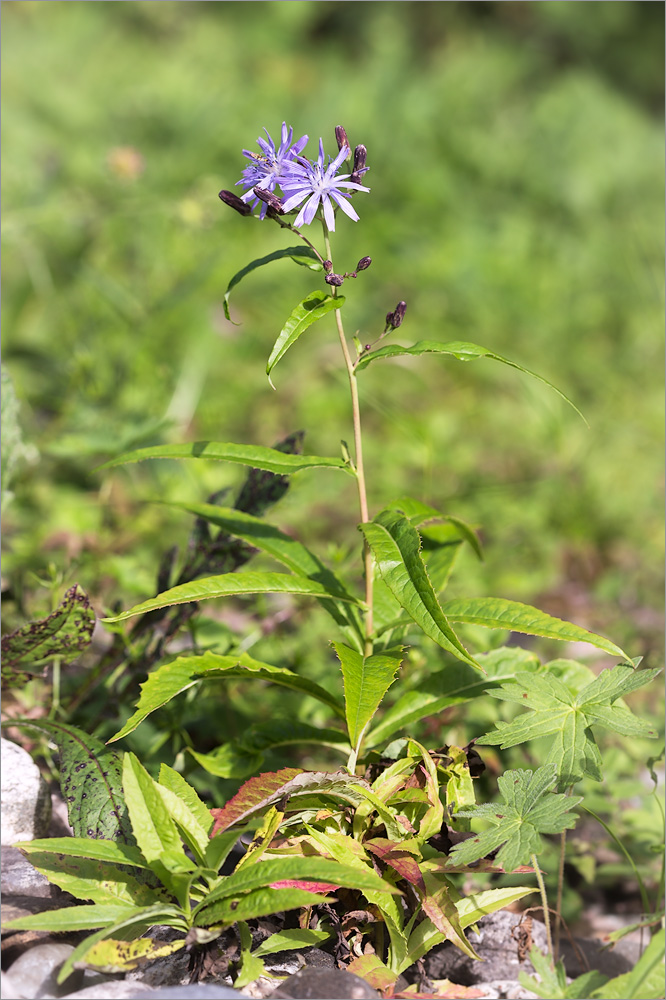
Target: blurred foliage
{"x": 516, "y": 155}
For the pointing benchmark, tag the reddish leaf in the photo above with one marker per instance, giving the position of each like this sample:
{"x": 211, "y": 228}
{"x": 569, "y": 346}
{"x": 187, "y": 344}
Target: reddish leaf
{"x": 294, "y": 883}
{"x": 402, "y": 861}
{"x": 372, "y": 969}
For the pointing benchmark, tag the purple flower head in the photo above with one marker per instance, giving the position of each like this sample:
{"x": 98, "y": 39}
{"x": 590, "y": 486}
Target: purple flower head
{"x": 265, "y": 170}
{"x": 317, "y": 183}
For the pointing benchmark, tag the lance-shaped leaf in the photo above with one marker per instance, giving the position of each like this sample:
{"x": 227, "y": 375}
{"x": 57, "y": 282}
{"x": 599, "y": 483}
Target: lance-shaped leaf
{"x": 495, "y": 612}
{"x": 307, "y": 312}
{"x": 63, "y": 634}
{"x": 96, "y": 881}
{"x": 526, "y": 811}
{"x": 460, "y": 350}
{"x": 113, "y": 956}
{"x": 420, "y": 513}
{"x": 170, "y": 679}
{"x": 395, "y": 544}
{"x": 259, "y": 793}
{"x": 366, "y": 680}
{"x": 256, "y": 456}
{"x": 300, "y": 255}
{"x": 256, "y": 903}
{"x": 75, "y": 918}
{"x": 568, "y": 715}
{"x": 79, "y": 847}
{"x": 90, "y": 782}
{"x": 285, "y": 549}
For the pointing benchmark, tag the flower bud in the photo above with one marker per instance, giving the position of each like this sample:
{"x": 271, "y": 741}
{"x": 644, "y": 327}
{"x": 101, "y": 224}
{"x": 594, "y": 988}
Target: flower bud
{"x": 363, "y": 263}
{"x": 328, "y": 266}
{"x": 342, "y": 140}
{"x": 360, "y": 156}
{"x": 399, "y": 314}
{"x": 233, "y": 201}
{"x": 271, "y": 200}
{"x": 334, "y": 279}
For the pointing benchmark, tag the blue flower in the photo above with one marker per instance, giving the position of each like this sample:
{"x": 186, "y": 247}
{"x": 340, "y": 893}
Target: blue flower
{"x": 265, "y": 170}
{"x": 320, "y": 186}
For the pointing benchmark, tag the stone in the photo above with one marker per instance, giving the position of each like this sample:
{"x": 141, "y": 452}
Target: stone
{"x": 503, "y": 942}
{"x": 112, "y": 989}
{"x": 34, "y": 973}
{"x": 24, "y": 796}
{"x": 333, "y": 984}
{"x": 195, "y": 991}
{"x": 504, "y": 989}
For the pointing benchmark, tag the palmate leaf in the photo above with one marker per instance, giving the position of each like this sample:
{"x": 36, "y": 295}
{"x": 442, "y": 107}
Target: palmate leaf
{"x": 366, "y": 681}
{"x": 460, "y": 350}
{"x": 300, "y": 255}
{"x": 495, "y": 612}
{"x": 170, "y": 679}
{"x": 527, "y": 810}
{"x": 285, "y": 549}
{"x": 568, "y": 715}
{"x": 307, "y": 312}
{"x": 256, "y": 456}
{"x": 395, "y": 544}
{"x": 232, "y": 584}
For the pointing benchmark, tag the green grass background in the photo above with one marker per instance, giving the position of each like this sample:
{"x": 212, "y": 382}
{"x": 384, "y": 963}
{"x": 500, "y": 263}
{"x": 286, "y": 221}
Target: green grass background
{"x": 516, "y": 154}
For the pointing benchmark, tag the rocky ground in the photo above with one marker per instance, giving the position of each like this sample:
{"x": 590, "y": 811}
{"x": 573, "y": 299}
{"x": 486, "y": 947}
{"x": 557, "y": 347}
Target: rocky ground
{"x": 31, "y": 959}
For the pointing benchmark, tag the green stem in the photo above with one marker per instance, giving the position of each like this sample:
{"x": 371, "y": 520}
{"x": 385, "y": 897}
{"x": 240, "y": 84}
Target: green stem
{"x": 358, "y": 461}
{"x": 560, "y": 890}
{"x": 544, "y": 904}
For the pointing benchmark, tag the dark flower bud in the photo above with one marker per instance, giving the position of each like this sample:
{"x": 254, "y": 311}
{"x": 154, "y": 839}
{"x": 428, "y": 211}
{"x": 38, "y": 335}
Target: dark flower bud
{"x": 360, "y": 156}
{"x": 363, "y": 263}
{"x": 233, "y": 201}
{"x": 342, "y": 140}
{"x": 328, "y": 266}
{"x": 334, "y": 279}
{"x": 389, "y": 320}
{"x": 399, "y": 314}
{"x": 271, "y": 200}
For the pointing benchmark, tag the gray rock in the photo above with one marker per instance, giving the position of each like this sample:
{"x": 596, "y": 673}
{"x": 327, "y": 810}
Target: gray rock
{"x": 34, "y": 973}
{"x": 333, "y": 984}
{"x": 112, "y": 989}
{"x": 24, "y": 889}
{"x": 8, "y": 988}
{"x": 503, "y": 942}
{"x": 195, "y": 991}
{"x": 24, "y": 795}
{"x": 504, "y": 989}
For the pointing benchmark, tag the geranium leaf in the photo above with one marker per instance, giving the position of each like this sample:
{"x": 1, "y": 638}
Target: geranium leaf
{"x": 256, "y": 456}
{"x": 300, "y": 255}
{"x": 307, "y": 312}
{"x": 366, "y": 681}
{"x": 527, "y": 810}
{"x": 395, "y": 544}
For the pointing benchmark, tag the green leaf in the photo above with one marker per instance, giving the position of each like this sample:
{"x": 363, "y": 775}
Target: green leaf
{"x": 73, "y": 918}
{"x": 285, "y": 731}
{"x": 495, "y": 612}
{"x": 176, "y": 783}
{"x": 419, "y": 513}
{"x": 527, "y": 810}
{"x": 113, "y": 956}
{"x": 569, "y": 715}
{"x": 256, "y": 903}
{"x": 646, "y": 979}
{"x": 80, "y": 847}
{"x": 228, "y": 761}
{"x": 256, "y": 456}
{"x": 90, "y": 781}
{"x": 97, "y": 881}
{"x": 453, "y": 684}
{"x": 291, "y": 940}
{"x": 395, "y": 544}
{"x": 480, "y": 904}
{"x": 286, "y": 550}
{"x": 184, "y": 672}
{"x": 63, "y": 634}
{"x": 229, "y": 584}
{"x": 191, "y": 830}
{"x": 366, "y": 680}
{"x": 307, "y": 312}
{"x": 457, "y": 349}
{"x": 302, "y": 254}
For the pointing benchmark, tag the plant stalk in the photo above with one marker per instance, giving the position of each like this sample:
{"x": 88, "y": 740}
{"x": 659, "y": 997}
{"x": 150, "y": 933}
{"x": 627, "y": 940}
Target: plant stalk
{"x": 544, "y": 903}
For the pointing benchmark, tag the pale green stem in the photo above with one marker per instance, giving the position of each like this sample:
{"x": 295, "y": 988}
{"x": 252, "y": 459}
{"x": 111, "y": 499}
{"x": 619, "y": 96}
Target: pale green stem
{"x": 544, "y": 904}
{"x": 560, "y": 891}
{"x": 358, "y": 461}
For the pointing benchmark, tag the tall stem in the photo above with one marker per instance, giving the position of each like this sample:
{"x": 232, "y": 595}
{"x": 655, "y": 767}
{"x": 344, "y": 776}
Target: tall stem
{"x": 544, "y": 904}
{"x": 358, "y": 460}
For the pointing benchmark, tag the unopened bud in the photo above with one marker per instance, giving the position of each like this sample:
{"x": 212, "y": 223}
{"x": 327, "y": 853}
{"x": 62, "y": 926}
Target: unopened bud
{"x": 271, "y": 200}
{"x": 334, "y": 279}
{"x": 233, "y": 201}
{"x": 360, "y": 156}
{"x": 399, "y": 314}
{"x": 342, "y": 140}
{"x": 363, "y": 263}
{"x": 328, "y": 266}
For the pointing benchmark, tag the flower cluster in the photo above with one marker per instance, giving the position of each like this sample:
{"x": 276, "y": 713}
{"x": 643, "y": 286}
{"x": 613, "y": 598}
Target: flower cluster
{"x": 315, "y": 185}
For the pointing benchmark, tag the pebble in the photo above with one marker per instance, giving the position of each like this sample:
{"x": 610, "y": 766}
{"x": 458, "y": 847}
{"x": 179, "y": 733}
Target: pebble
{"x": 34, "y": 973}
{"x": 334, "y": 984}
{"x": 24, "y": 796}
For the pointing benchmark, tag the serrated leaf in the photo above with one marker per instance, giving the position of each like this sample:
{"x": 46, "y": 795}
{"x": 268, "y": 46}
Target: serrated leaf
{"x": 79, "y": 847}
{"x": 568, "y": 715}
{"x": 228, "y": 761}
{"x": 366, "y": 681}
{"x": 90, "y": 782}
{"x": 231, "y": 584}
{"x": 265, "y": 790}
{"x": 63, "y": 634}
{"x": 495, "y": 612}
{"x": 453, "y": 684}
{"x": 97, "y": 881}
{"x": 300, "y": 255}
{"x": 527, "y": 810}
{"x": 176, "y": 783}
{"x": 395, "y": 545}
{"x": 191, "y": 830}
{"x": 170, "y": 679}
{"x": 286, "y": 550}
{"x": 256, "y": 456}
{"x": 307, "y": 312}
{"x": 460, "y": 350}
{"x": 420, "y": 513}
